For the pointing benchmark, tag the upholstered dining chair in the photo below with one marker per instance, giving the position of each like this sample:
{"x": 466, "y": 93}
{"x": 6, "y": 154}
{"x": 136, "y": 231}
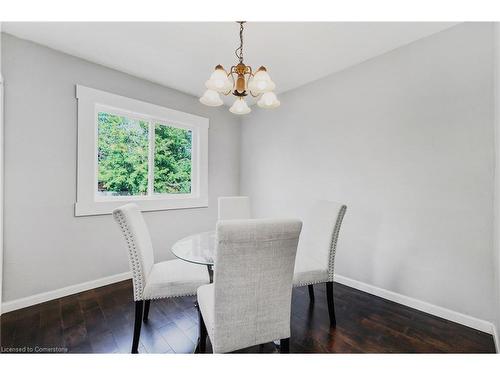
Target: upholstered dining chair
{"x": 249, "y": 302}
{"x": 234, "y": 208}
{"x": 171, "y": 278}
{"x": 315, "y": 259}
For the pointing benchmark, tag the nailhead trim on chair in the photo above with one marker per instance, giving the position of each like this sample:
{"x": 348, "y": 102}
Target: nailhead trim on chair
{"x": 304, "y": 283}
{"x": 333, "y": 245}
{"x": 135, "y": 264}
{"x": 172, "y": 296}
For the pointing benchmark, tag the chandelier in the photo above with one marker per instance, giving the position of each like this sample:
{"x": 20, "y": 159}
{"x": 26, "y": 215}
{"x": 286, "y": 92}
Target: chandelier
{"x": 240, "y": 81}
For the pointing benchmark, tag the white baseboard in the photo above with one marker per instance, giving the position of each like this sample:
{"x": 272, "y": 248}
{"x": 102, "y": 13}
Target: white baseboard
{"x": 454, "y": 316}
{"x": 63, "y": 292}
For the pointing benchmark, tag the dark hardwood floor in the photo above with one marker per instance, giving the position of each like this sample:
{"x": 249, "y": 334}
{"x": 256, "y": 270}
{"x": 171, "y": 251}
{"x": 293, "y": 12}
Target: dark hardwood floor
{"x": 101, "y": 321}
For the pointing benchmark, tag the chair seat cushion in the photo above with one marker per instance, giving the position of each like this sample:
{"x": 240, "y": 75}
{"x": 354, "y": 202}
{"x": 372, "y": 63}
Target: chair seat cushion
{"x": 175, "y": 278}
{"x": 205, "y": 296}
{"x": 309, "y": 270}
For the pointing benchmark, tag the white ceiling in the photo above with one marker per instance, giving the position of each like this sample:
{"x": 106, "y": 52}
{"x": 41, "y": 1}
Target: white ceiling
{"x": 182, "y": 55}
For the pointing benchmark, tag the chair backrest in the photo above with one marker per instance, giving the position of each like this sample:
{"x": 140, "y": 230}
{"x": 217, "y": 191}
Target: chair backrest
{"x": 234, "y": 208}
{"x": 253, "y": 281}
{"x": 319, "y": 236}
{"x": 140, "y": 248}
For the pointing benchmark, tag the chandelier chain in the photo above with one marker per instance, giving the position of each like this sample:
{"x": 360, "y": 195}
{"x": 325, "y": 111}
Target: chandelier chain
{"x": 239, "y": 50}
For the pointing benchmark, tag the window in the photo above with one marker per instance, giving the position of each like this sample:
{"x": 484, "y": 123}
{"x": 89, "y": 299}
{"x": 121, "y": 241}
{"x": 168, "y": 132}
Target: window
{"x": 123, "y": 157}
{"x": 132, "y": 151}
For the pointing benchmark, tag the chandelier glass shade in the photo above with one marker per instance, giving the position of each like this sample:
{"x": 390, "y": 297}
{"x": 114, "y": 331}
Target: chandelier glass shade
{"x": 240, "y": 107}
{"x": 240, "y": 82}
{"x": 211, "y": 98}
{"x": 268, "y": 100}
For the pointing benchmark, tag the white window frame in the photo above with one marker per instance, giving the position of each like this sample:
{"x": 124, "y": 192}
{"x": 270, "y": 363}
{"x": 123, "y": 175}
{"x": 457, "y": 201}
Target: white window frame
{"x": 90, "y": 103}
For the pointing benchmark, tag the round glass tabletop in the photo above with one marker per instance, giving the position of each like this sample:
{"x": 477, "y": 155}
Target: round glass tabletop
{"x": 198, "y": 248}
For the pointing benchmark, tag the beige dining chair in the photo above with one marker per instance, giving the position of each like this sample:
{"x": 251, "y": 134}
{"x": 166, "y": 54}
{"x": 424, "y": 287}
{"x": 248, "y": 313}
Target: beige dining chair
{"x": 234, "y": 208}
{"x": 249, "y": 302}
{"x": 171, "y": 278}
{"x": 316, "y": 250}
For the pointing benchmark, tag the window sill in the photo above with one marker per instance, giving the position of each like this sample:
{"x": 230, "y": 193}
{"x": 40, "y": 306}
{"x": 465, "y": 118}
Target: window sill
{"x": 145, "y": 204}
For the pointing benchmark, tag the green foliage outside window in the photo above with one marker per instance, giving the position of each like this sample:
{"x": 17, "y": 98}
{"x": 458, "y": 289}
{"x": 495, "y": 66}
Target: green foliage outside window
{"x": 123, "y": 148}
{"x": 172, "y": 172}
{"x": 122, "y": 155}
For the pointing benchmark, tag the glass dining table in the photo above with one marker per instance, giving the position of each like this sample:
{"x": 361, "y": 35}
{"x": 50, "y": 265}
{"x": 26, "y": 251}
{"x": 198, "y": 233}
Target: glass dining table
{"x": 200, "y": 249}
{"x": 197, "y": 248}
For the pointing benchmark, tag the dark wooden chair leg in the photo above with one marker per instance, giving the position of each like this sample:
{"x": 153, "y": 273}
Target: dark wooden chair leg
{"x": 146, "y": 310}
{"x": 139, "y": 305}
{"x": 311, "y": 293}
{"x": 285, "y": 345}
{"x": 210, "y": 273}
{"x": 331, "y": 305}
{"x": 202, "y": 344}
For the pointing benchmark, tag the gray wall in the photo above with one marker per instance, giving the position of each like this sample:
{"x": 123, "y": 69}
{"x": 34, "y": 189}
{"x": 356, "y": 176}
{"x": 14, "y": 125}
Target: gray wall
{"x": 497, "y": 180}
{"x": 406, "y": 141}
{"x": 46, "y": 247}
